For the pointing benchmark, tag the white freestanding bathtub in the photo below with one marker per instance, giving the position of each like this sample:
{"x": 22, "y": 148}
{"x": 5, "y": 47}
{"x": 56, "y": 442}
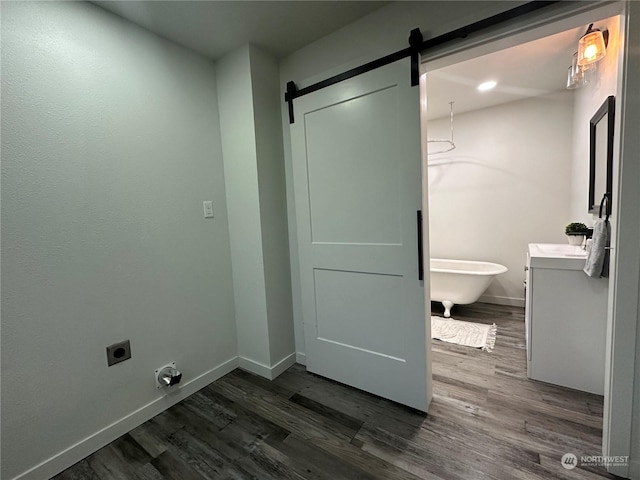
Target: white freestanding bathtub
{"x": 460, "y": 281}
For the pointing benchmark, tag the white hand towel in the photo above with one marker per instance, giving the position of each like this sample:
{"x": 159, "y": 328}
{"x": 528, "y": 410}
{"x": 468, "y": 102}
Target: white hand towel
{"x": 597, "y": 264}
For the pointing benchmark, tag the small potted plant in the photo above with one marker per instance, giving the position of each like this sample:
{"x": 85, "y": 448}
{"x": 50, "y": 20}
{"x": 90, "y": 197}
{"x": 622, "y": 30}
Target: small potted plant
{"x": 576, "y": 233}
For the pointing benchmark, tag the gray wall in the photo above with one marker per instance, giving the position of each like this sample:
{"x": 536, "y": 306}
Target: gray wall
{"x": 110, "y": 143}
{"x": 241, "y": 179}
{"x": 273, "y": 202}
{"x": 254, "y": 175}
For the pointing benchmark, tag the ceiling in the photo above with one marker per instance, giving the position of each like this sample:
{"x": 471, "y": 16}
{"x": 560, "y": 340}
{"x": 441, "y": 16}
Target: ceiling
{"x": 527, "y": 70}
{"x": 215, "y": 28}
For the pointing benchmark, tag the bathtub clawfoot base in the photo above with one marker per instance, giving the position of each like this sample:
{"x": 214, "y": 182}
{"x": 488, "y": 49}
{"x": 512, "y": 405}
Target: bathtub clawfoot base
{"x": 447, "y": 308}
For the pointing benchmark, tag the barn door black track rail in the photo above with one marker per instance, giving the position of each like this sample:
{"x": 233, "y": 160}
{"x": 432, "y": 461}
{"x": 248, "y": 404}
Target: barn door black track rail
{"x": 416, "y": 46}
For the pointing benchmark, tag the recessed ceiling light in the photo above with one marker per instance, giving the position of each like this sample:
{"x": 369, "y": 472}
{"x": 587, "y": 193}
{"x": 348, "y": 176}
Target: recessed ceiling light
{"x": 483, "y": 87}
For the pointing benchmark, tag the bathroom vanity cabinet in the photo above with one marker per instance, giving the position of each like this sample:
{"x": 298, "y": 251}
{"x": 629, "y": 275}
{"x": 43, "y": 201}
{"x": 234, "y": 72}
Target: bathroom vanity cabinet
{"x": 565, "y": 318}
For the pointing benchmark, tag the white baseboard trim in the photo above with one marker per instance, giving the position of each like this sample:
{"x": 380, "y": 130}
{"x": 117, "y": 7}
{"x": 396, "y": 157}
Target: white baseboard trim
{"x": 254, "y": 367}
{"x": 265, "y": 371}
{"x": 282, "y": 365}
{"x": 301, "y": 358}
{"x": 108, "y": 434}
{"x": 497, "y": 300}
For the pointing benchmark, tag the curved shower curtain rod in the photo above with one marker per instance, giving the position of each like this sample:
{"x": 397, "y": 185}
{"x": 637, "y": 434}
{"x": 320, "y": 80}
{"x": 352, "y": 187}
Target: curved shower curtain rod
{"x": 450, "y": 142}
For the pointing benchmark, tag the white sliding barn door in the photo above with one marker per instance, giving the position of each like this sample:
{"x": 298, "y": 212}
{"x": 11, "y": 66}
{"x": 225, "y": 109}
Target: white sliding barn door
{"x": 357, "y": 176}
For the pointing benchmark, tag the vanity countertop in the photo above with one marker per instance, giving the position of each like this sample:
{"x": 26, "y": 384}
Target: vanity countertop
{"x": 556, "y": 255}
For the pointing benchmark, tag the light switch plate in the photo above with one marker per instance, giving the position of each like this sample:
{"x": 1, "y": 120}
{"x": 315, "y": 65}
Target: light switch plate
{"x": 208, "y": 209}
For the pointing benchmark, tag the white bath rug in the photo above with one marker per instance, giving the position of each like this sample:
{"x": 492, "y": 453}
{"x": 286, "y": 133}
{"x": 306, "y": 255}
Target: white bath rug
{"x": 477, "y": 335}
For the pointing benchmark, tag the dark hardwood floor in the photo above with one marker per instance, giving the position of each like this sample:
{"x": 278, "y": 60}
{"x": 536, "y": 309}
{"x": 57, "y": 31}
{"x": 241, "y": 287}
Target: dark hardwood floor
{"x": 486, "y": 421}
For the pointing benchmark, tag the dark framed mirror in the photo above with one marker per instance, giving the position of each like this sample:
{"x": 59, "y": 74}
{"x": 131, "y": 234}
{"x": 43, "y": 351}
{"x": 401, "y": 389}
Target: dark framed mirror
{"x": 601, "y": 156}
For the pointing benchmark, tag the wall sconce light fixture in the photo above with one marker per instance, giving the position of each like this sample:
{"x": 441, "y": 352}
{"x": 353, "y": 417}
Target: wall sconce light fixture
{"x": 576, "y": 76}
{"x": 592, "y": 46}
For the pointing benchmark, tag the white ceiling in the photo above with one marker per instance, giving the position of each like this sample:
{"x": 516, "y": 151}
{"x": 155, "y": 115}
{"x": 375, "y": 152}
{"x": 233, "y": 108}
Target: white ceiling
{"x": 214, "y": 28}
{"x": 528, "y": 70}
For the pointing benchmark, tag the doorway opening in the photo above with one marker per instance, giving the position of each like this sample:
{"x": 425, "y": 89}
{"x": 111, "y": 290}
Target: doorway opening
{"x": 518, "y": 174}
